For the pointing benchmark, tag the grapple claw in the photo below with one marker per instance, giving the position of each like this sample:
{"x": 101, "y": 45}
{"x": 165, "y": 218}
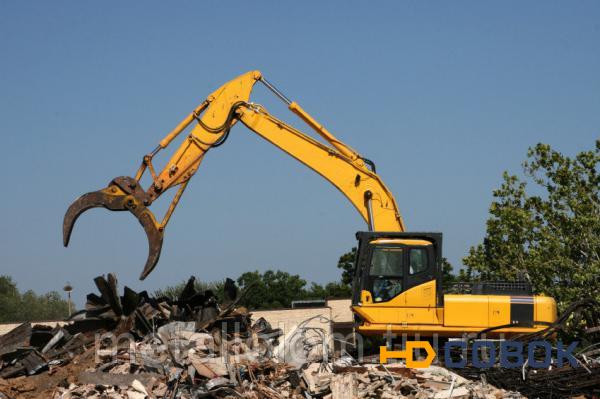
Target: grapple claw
{"x": 122, "y": 194}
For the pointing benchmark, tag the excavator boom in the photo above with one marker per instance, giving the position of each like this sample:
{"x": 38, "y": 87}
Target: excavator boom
{"x": 213, "y": 119}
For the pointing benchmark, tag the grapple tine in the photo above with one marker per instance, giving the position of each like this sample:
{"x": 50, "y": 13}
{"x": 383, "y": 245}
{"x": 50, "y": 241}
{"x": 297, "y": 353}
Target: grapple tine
{"x": 87, "y": 201}
{"x": 155, "y": 241}
{"x": 122, "y": 194}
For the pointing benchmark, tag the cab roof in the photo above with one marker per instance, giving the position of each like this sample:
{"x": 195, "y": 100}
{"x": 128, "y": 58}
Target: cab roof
{"x": 400, "y": 241}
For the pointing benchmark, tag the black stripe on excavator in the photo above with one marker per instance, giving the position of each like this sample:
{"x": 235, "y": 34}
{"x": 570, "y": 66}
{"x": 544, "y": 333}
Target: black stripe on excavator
{"x": 521, "y": 310}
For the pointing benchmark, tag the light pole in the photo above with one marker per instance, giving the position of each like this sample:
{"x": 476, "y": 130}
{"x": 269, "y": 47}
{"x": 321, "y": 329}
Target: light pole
{"x": 68, "y": 288}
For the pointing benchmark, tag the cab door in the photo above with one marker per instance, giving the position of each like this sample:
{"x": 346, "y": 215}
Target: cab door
{"x": 420, "y": 265}
{"x": 386, "y": 271}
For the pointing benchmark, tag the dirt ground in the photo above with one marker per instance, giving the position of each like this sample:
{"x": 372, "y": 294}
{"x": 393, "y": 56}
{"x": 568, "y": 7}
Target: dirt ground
{"x": 42, "y": 386}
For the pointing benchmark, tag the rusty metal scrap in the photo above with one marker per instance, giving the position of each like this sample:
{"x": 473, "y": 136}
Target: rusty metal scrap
{"x": 556, "y": 382}
{"x": 192, "y": 347}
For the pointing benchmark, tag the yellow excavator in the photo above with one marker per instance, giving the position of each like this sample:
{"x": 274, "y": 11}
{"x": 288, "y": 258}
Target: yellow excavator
{"x": 398, "y": 278}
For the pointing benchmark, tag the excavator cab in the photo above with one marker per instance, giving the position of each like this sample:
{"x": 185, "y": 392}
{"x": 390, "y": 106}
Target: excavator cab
{"x": 398, "y": 287}
{"x": 389, "y": 264}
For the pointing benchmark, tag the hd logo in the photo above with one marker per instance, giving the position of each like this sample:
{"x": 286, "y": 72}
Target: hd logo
{"x": 408, "y": 354}
{"x": 510, "y": 354}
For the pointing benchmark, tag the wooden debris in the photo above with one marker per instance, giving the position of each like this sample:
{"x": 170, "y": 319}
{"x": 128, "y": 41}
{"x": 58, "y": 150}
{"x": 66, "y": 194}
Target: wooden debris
{"x": 344, "y": 386}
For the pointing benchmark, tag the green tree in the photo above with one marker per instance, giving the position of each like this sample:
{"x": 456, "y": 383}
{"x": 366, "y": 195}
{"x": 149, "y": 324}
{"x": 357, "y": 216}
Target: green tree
{"x": 174, "y": 291}
{"x": 448, "y": 276}
{"x": 17, "y": 307}
{"x": 465, "y": 275}
{"x": 271, "y": 289}
{"x": 546, "y": 226}
{"x": 277, "y": 289}
{"x": 346, "y": 263}
{"x": 334, "y": 290}
{"x": 9, "y": 300}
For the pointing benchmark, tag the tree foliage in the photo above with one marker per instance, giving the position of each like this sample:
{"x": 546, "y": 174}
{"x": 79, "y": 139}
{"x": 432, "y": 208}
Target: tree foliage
{"x": 448, "y": 276}
{"x": 28, "y": 306}
{"x": 277, "y": 289}
{"x": 546, "y": 226}
{"x": 174, "y": 291}
{"x": 334, "y": 290}
{"x": 271, "y": 289}
{"x": 346, "y": 263}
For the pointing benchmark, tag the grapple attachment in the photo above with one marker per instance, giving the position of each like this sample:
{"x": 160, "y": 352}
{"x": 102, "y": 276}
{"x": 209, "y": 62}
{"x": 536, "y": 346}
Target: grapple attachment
{"x": 122, "y": 194}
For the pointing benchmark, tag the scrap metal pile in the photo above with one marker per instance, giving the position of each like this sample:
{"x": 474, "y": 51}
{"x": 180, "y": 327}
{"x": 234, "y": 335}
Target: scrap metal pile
{"x": 135, "y": 346}
{"x": 554, "y": 381}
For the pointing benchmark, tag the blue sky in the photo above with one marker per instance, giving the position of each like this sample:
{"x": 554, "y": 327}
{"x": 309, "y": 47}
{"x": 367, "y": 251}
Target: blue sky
{"x": 442, "y": 96}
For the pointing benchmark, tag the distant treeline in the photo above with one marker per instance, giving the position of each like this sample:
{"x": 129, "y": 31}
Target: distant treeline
{"x": 29, "y": 306}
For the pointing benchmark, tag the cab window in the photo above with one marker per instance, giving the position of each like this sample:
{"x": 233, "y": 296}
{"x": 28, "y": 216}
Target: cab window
{"x": 386, "y": 273}
{"x": 387, "y": 262}
{"x": 418, "y": 260}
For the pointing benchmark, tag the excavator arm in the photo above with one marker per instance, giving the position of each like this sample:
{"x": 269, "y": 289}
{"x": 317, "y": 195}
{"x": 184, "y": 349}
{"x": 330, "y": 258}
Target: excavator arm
{"x": 342, "y": 166}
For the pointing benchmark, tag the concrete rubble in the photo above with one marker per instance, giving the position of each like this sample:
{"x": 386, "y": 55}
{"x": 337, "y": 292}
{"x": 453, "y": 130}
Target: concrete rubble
{"x": 134, "y": 346}
{"x": 267, "y": 379}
